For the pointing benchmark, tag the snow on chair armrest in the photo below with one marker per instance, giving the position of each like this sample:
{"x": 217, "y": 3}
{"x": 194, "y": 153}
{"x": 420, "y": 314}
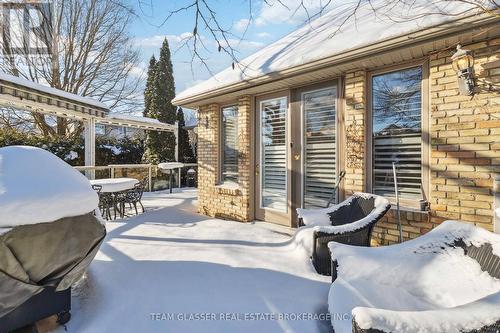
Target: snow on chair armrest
{"x": 482, "y": 314}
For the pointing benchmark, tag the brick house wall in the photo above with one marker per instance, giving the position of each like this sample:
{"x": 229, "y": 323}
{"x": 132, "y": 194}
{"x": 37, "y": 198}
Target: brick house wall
{"x": 464, "y": 149}
{"x": 214, "y": 199}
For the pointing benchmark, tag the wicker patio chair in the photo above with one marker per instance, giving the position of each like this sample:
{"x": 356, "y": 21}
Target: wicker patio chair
{"x": 351, "y": 222}
{"x": 477, "y": 244}
{"x": 331, "y": 201}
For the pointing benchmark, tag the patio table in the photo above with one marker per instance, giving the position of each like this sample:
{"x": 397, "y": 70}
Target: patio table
{"x": 169, "y": 166}
{"x": 114, "y": 186}
{"x": 111, "y": 185}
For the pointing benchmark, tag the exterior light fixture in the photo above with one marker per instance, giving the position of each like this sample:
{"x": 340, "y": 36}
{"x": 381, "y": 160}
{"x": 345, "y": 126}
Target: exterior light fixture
{"x": 463, "y": 64}
{"x": 206, "y": 122}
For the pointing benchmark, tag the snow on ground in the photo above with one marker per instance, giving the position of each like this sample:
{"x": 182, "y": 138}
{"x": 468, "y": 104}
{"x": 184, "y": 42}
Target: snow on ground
{"x": 173, "y": 262}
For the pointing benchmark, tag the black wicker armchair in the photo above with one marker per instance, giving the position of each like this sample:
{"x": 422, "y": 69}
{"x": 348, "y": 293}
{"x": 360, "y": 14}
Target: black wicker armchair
{"x": 478, "y": 309}
{"x": 351, "y": 222}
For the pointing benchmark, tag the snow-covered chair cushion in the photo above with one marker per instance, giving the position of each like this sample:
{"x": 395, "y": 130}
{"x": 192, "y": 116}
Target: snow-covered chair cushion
{"x": 322, "y": 216}
{"x": 316, "y": 216}
{"x": 444, "y": 281}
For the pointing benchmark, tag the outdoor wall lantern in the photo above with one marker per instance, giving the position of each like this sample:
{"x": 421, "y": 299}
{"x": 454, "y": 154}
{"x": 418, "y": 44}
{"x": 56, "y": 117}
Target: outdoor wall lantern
{"x": 463, "y": 64}
{"x": 206, "y": 122}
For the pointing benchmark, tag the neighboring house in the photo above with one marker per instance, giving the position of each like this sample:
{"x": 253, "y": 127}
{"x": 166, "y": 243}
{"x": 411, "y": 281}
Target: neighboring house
{"x": 274, "y": 133}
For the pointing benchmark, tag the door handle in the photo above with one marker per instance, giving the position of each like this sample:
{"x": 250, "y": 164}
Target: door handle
{"x": 257, "y": 169}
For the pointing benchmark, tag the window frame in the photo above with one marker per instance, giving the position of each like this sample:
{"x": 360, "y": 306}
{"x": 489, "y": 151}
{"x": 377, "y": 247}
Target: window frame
{"x": 425, "y": 128}
{"x": 220, "y": 174}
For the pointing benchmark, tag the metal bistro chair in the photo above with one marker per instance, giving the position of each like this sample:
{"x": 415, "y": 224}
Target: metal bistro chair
{"x": 134, "y": 196}
{"x": 105, "y": 202}
{"x": 131, "y": 197}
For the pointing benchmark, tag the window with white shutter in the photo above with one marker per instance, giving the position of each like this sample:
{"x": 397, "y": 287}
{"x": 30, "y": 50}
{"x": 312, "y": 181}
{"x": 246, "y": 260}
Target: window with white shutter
{"x": 229, "y": 140}
{"x": 397, "y": 132}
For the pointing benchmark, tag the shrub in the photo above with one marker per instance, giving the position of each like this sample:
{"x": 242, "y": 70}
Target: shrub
{"x": 108, "y": 150}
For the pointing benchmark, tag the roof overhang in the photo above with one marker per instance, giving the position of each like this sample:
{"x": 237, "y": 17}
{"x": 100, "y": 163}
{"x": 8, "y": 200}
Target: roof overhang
{"x": 405, "y": 47}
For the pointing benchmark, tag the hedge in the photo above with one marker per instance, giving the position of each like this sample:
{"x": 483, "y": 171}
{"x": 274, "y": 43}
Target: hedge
{"x": 108, "y": 150}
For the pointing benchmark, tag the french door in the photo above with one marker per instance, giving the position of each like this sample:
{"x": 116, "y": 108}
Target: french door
{"x": 272, "y": 170}
{"x": 296, "y": 152}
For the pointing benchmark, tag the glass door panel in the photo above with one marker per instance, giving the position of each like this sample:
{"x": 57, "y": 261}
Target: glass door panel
{"x": 319, "y": 146}
{"x": 273, "y": 154}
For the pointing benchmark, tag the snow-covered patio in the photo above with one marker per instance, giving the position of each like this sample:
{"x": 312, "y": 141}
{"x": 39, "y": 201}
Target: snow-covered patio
{"x": 157, "y": 269}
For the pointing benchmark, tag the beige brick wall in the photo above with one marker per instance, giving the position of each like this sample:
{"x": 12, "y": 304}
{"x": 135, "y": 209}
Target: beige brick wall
{"x": 465, "y": 134}
{"x": 215, "y": 199}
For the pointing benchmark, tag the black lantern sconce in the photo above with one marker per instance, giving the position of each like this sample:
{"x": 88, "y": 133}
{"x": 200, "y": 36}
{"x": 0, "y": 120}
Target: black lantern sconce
{"x": 463, "y": 64}
{"x": 206, "y": 122}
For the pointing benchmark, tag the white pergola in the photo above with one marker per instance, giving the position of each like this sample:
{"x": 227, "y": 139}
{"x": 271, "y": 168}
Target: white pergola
{"x": 30, "y": 96}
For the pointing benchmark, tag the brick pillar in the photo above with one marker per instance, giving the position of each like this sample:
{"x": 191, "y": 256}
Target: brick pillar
{"x": 244, "y": 158}
{"x": 208, "y": 154}
{"x": 355, "y": 113}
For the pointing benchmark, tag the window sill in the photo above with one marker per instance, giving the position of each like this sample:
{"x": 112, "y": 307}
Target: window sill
{"x": 228, "y": 189}
{"x": 406, "y": 205}
{"x": 408, "y": 209}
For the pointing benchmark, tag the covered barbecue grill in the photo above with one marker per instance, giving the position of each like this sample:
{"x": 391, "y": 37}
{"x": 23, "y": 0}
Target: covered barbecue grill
{"x": 48, "y": 235}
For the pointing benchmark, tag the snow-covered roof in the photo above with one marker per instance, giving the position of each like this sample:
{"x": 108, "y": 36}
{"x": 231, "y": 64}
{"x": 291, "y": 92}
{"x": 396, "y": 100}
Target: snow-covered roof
{"x": 122, "y": 116}
{"x": 320, "y": 39}
{"x": 36, "y": 186}
{"x": 129, "y": 120}
{"x": 52, "y": 91}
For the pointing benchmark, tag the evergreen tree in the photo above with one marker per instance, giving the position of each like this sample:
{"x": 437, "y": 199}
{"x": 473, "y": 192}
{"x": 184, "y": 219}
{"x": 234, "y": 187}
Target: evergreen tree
{"x": 149, "y": 106}
{"x": 185, "y": 151}
{"x": 161, "y": 145}
{"x": 149, "y": 91}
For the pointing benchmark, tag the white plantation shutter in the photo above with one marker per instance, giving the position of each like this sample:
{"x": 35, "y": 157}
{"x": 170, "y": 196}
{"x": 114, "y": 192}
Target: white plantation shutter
{"x": 230, "y": 144}
{"x": 274, "y": 152}
{"x": 319, "y": 111}
{"x": 397, "y": 132}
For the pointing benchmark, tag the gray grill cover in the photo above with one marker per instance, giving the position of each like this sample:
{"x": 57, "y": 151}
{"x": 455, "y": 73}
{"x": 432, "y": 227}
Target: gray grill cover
{"x": 46, "y": 254}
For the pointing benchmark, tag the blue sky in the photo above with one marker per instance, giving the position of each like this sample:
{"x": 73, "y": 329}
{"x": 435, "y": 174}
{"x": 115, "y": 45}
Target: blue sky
{"x": 268, "y": 24}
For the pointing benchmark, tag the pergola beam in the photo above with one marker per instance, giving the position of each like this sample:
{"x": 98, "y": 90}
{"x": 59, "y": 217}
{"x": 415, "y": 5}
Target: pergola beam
{"x": 89, "y": 134}
{"x": 32, "y": 97}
